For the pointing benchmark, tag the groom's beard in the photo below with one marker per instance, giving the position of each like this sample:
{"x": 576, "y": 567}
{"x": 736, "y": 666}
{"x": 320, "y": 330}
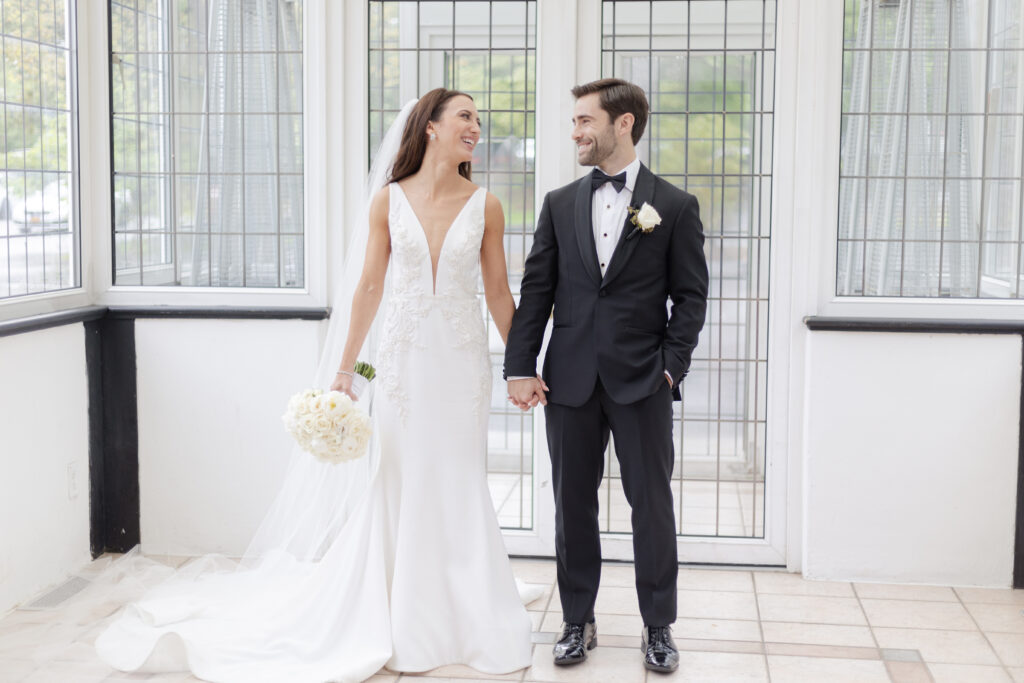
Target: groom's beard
{"x": 601, "y": 148}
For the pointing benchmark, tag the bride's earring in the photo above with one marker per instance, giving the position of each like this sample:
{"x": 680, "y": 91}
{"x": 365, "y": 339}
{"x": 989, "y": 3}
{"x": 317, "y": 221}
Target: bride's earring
{"x": 433, "y": 136}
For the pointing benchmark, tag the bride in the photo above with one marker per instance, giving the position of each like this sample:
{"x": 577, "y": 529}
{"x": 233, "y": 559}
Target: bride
{"x": 400, "y": 564}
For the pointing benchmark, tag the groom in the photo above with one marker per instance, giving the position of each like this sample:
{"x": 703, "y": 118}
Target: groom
{"x": 619, "y": 254}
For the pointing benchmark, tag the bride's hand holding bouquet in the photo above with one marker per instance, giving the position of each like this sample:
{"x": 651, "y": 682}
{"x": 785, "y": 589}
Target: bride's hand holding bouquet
{"x": 328, "y": 425}
{"x": 354, "y": 382}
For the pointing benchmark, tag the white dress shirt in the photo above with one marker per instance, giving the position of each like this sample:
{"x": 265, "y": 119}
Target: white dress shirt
{"x": 608, "y": 213}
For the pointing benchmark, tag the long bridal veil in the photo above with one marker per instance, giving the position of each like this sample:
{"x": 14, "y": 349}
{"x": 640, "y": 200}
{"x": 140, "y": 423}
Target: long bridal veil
{"x": 316, "y": 499}
{"x": 290, "y": 567}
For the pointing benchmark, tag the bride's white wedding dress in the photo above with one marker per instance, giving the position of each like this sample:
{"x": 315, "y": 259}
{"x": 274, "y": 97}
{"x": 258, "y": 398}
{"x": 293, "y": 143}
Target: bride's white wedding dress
{"x": 417, "y": 576}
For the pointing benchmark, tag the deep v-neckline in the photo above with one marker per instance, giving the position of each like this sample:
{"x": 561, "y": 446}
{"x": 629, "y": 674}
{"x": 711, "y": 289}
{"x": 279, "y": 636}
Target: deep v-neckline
{"x": 435, "y": 265}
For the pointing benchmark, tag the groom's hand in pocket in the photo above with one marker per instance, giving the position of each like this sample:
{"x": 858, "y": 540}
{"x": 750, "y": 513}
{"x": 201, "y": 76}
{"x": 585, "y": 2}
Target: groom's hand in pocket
{"x": 528, "y": 392}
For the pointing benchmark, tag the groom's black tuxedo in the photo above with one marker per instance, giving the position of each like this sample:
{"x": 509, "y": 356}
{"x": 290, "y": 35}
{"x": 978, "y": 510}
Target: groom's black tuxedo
{"x": 617, "y": 327}
{"x": 613, "y": 341}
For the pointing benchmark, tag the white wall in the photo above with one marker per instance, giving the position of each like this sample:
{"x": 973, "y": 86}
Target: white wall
{"x": 910, "y": 463}
{"x": 211, "y": 443}
{"x": 44, "y": 431}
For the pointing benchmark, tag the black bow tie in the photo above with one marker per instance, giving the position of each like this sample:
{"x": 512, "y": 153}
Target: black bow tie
{"x": 599, "y": 178}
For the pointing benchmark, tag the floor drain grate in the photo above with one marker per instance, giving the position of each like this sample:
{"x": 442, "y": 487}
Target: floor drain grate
{"x": 58, "y": 595}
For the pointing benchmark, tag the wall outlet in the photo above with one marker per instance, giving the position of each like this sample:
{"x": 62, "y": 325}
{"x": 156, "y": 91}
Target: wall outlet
{"x": 72, "y": 480}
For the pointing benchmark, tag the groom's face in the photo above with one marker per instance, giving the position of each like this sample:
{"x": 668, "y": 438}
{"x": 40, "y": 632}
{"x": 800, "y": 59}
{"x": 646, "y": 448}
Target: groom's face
{"x": 592, "y": 131}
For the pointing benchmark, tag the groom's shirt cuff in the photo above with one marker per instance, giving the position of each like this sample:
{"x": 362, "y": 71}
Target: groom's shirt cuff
{"x": 509, "y": 379}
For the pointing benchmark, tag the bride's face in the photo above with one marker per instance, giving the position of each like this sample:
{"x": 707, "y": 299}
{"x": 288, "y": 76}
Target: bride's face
{"x": 458, "y": 129}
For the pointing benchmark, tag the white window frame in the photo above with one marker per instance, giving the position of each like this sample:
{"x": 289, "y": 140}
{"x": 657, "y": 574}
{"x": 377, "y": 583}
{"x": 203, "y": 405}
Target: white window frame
{"x": 314, "y": 86}
{"x": 72, "y": 297}
{"x": 815, "y": 215}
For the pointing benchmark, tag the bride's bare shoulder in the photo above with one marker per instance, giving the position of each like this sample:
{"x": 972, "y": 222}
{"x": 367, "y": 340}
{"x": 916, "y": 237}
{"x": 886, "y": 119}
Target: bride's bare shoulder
{"x": 380, "y": 202}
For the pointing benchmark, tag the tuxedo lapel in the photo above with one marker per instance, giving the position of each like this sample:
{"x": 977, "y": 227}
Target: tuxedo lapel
{"x": 643, "y": 191}
{"x": 585, "y": 229}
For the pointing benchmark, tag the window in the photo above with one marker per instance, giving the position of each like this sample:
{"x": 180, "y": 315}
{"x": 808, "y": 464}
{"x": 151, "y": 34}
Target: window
{"x": 207, "y": 142}
{"x": 486, "y": 49}
{"x": 39, "y": 234}
{"x": 708, "y": 68}
{"x": 930, "y": 175}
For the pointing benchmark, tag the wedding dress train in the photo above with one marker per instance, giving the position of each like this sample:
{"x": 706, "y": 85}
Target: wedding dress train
{"x": 417, "y": 575}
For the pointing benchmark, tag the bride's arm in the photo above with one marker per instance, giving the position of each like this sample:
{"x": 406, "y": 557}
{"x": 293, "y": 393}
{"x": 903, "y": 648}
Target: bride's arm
{"x": 366, "y": 299}
{"x": 492, "y": 264}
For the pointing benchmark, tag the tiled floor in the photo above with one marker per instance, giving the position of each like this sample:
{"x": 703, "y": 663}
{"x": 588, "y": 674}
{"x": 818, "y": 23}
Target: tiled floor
{"x": 734, "y": 625}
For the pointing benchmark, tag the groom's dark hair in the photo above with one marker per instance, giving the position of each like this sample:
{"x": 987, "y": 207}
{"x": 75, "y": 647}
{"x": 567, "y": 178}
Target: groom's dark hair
{"x": 619, "y": 97}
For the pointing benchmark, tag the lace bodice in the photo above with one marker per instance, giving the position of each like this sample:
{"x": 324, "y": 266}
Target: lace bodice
{"x": 414, "y": 294}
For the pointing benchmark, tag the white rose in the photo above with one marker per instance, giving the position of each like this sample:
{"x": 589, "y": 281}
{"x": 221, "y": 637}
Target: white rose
{"x": 648, "y": 218}
{"x": 307, "y": 423}
{"x": 350, "y": 449}
{"x": 339, "y": 407}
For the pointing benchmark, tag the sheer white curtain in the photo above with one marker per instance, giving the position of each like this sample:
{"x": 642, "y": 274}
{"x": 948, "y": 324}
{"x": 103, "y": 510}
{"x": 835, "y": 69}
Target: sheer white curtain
{"x": 244, "y": 74}
{"x": 909, "y": 217}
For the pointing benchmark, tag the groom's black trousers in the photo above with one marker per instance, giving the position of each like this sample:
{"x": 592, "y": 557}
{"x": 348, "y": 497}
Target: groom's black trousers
{"x": 577, "y": 438}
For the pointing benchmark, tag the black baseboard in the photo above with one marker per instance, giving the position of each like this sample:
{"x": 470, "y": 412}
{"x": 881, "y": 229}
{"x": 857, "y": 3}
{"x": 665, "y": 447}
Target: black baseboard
{"x": 114, "y": 436}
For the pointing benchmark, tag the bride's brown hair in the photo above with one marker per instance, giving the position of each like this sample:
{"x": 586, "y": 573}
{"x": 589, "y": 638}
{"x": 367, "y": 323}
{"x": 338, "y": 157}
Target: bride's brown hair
{"x": 414, "y": 136}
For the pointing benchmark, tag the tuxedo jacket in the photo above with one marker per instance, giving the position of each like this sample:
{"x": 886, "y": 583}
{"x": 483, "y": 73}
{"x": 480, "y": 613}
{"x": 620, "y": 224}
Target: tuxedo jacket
{"x": 627, "y": 328}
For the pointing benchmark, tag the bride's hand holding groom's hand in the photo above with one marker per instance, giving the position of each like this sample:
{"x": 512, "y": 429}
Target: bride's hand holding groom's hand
{"x": 528, "y": 392}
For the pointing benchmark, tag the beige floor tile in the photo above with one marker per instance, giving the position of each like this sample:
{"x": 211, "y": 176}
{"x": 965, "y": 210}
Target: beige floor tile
{"x": 909, "y": 672}
{"x": 462, "y": 672}
{"x": 382, "y": 678}
{"x": 715, "y": 580}
{"x": 1001, "y": 596}
{"x": 706, "y": 604}
{"x": 616, "y": 600}
{"x": 968, "y": 673}
{"x": 811, "y": 609}
{"x": 715, "y": 667}
{"x": 612, "y": 664}
{"x": 15, "y": 670}
{"x": 1017, "y": 674}
{"x": 536, "y": 619}
{"x": 893, "y": 591}
{"x": 817, "y": 634}
{"x": 794, "y": 584}
{"x": 541, "y": 603}
{"x": 918, "y": 614}
{"x": 122, "y": 677}
{"x": 716, "y": 629}
{"x": 945, "y": 647}
{"x": 735, "y": 646}
{"x": 818, "y": 669}
{"x": 1009, "y": 647}
{"x": 607, "y": 624}
{"x": 65, "y": 672}
{"x": 534, "y": 571}
{"x": 830, "y": 651}
{"x": 620, "y": 575}
{"x": 999, "y": 618}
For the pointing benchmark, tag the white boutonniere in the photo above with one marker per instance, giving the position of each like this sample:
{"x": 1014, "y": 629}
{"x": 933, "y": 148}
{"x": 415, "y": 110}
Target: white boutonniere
{"x": 646, "y": 219}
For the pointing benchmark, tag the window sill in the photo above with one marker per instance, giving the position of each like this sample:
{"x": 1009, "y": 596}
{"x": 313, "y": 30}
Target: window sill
{"x": 87, "y": 313}
{"x": 819, "y": 323}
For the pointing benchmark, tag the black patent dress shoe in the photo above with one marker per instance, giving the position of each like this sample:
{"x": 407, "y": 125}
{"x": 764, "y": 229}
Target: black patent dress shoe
{"x": 576, "y": 641}
{"x": 660, "y": 653}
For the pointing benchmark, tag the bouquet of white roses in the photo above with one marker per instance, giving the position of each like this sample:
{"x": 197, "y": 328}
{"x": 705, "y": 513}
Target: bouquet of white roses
{"x": 328, "y": 425}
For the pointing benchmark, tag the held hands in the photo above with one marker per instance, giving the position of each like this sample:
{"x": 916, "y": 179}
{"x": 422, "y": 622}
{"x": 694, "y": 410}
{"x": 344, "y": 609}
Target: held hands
{"x": 527, "y": 393}
{"x": 343, "y": 383}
